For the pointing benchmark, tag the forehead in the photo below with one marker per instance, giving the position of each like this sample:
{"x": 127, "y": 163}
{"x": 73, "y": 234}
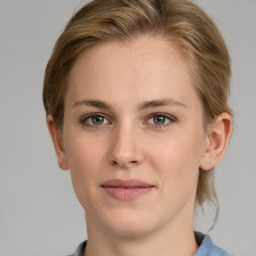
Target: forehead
{"x": 143, "y": 69}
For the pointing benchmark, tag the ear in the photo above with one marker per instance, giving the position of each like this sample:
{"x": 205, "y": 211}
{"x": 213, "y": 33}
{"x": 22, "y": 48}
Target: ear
{"x": 218, "y": 135}
{"x": 58, "y": 143}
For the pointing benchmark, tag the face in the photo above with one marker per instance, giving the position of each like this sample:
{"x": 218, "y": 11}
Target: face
{"x": 133, "y": 137}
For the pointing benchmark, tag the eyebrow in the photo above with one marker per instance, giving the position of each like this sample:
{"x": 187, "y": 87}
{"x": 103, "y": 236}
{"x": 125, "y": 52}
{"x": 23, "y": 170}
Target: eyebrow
{"x": 160, "y": 103}
{"x": 147, "y": 104}
{"x": 93, "y": 103}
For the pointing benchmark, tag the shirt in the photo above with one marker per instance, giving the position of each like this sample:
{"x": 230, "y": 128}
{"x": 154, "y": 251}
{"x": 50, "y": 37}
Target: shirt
{"x": 206, "y": 247}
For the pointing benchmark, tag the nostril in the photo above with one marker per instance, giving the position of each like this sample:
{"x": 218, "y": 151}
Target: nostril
{"x": 123, "y": 164}
{"x": 114, "y": 163}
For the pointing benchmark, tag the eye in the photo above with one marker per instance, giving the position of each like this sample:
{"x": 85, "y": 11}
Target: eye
{"x": 94, "y": 119}
{"x": 160, "y": 119}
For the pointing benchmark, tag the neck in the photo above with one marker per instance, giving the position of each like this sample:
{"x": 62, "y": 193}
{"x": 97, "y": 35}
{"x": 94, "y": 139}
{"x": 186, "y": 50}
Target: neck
{"x": 162, "y": 242}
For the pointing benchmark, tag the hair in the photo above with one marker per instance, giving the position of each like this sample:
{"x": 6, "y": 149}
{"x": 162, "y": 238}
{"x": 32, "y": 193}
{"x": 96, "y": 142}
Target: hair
{"x": 179, "y": 22}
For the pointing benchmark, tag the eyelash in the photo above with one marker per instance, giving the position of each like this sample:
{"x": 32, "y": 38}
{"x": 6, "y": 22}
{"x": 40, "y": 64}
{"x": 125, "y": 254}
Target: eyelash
{"x": 85, "y": 119}
{"x": 168, "y": 117}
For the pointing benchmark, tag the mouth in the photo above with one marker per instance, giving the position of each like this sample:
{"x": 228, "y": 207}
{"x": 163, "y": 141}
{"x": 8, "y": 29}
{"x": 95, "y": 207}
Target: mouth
{"x": 126, "y": 190}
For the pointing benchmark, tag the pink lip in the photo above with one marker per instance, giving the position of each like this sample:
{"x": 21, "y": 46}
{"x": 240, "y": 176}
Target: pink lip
{"x": 126, "y": 190}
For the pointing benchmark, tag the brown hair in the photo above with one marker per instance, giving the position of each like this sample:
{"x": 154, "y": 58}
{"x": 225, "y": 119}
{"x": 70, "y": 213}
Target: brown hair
{"x": 179, "y": 21}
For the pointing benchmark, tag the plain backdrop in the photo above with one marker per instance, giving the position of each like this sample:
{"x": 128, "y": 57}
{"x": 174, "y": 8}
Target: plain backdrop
{"x": 39, "y": 213}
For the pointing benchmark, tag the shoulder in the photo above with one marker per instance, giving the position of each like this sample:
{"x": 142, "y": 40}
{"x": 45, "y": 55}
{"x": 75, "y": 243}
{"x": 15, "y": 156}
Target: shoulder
{"x": 80, "y": 250}
{"x": 207, "y": 248}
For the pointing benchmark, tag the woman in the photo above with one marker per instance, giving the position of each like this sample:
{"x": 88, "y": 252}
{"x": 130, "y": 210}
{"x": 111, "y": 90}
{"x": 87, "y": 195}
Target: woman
{"x": 136, "y": 99}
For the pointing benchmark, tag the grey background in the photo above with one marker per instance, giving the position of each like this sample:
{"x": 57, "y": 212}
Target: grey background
{"x": 39, "y": 213}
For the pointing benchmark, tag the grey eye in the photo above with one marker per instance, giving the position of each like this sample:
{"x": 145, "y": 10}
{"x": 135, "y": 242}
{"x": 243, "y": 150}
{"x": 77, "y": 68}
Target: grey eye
{"x": 159, "y": 120}
{"x": 97, "y": 120}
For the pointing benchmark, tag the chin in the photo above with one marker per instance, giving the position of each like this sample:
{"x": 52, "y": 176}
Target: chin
{"x": 128, "y": 225}
{"x": 130, "y": 231}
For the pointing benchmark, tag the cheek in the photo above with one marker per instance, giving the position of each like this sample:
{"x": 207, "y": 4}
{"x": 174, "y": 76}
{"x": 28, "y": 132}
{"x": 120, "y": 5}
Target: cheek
{"x": 84, "y": 157}
{"x": 177, "y": 168}
{"x": 79, "y": 155}
{"x": 177, "y": 158}
{"x": 84, "y": 152}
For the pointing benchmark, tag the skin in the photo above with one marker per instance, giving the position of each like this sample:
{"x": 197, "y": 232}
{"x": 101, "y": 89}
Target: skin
{"x": 130, "y": 143}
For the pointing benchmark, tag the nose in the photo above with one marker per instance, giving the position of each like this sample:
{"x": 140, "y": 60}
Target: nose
{"x": 126, "y": 149}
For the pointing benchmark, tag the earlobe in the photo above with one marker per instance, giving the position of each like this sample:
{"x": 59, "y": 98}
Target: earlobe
{"x": 219, "y": 133}
{"x": 57, "y": 142}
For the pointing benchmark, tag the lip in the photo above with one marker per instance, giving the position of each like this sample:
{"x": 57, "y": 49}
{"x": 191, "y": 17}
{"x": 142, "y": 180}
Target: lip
{"x": 126, "y": 190}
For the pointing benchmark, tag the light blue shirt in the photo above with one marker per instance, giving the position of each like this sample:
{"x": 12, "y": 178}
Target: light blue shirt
{"x": 206, "y": 248}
